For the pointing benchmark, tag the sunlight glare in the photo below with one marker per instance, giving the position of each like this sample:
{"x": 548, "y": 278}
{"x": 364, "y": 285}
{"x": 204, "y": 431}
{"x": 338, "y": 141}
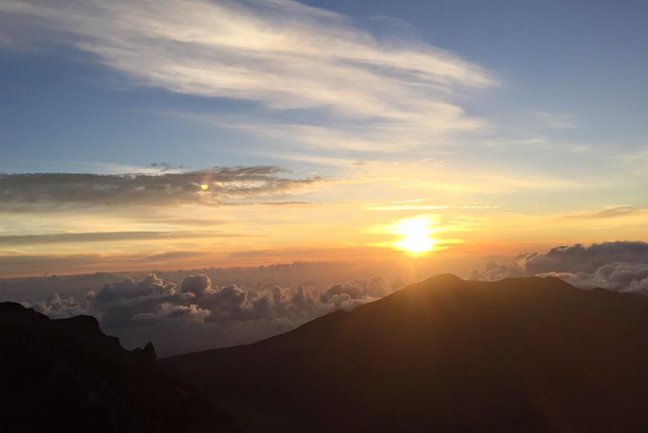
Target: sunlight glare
{"x": 415, "y": 235}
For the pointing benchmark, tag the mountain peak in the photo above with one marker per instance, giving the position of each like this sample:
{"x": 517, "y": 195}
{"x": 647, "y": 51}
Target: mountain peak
{"x": 446, "y": 355}
{"x": 446, "y": 278}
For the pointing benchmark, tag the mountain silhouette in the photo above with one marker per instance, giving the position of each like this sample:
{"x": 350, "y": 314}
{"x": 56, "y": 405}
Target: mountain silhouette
{"x": 444, "y": 355}
{"x": 66, "y": 375}
{"x": 447, "y": 355}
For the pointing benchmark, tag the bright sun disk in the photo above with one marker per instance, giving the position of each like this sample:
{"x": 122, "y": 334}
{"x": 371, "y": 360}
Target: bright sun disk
{"x": 415, "y": 235}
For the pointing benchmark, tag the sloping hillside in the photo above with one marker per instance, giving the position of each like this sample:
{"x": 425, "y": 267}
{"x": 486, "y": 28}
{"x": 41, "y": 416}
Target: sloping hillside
{"x": 447, "y": 355}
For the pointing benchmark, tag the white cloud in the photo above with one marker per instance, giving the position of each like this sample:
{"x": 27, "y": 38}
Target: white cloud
{"x": 58, "y": 307}
{"x": 281, "y": 54}
{"x": 193, "y": 314}
{"x": 619, "y": 266}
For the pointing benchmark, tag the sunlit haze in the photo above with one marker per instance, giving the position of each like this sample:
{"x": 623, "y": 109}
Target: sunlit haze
{"x": 168, "y": 135}
{"x": 415, "y": 236}
{"x": 320, "y": 216}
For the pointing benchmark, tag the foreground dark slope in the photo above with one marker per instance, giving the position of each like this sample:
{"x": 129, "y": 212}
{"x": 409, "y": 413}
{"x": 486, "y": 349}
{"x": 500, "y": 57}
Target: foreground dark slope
{"x": 67, "y": 376}
{"x": 447, "y": 355}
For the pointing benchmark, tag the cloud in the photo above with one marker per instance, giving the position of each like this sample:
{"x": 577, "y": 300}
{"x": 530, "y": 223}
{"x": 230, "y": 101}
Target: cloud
{"x": 619, "y": 266}
{"x": 194, "y": 313}
{"x": 357, "y": 136}
{"x": 630, "y": 163}
{"x": 232, "y": 302}
{"x": 346, "y": 296}
{"x": 128, "y": 302}
{"x": 170, "y": 312}
{"x": 281, "y": 55}
{"x": 619, "y": 276}
{"x": 199, "y": 285}
{"x": 104, "y": 237}
{"x": 209, "y": 187}
{"x": 608, "y": 212}
{"x": 57, "y": 307}
{"x": 580, "y": 258}
{"x": 34, "y": 264}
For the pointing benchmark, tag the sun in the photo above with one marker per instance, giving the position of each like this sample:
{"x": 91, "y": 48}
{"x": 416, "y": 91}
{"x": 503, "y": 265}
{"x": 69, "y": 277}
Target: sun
{"x": 414, "y": 235}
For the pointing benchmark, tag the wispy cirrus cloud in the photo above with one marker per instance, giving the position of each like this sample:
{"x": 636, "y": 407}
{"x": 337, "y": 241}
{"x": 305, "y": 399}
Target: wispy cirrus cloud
{"x": 30, "y": 264}
{"x": 608, "y": 212}
{"x": 555, "y": 120}
{"x": 281, "y": 54}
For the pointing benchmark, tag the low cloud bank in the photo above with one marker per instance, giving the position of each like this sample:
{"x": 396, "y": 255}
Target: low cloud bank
{"x": 124, "y": 303}
{"x": 201, "y": 312}
{"x": 222, "y": 307}
{"x": 620, "y": 266}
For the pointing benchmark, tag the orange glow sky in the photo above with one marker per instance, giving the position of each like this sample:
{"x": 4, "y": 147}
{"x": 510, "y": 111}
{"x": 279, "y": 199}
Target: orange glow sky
{"x": 169, "y": 135}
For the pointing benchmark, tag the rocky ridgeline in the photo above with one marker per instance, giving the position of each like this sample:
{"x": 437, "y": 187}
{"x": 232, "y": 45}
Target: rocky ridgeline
{"x": 68, "y": 376}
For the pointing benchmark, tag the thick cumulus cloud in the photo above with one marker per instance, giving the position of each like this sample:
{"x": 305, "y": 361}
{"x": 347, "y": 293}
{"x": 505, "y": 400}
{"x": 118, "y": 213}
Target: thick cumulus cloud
{"x": 213, "y": 186}
{"x": 235, "y": 303}
{"x": 58, "y": 307}
{"x": 170, "y": 312}
{"x": 619, "y": 276}
{"x": 620, "y": 266}
{"x": 199, "y": 285}
{"x": 196, "y": 313}
{"x": 579, "y": 258}
{"x": 346, "y": 296}
{"x": 128, "y": 302}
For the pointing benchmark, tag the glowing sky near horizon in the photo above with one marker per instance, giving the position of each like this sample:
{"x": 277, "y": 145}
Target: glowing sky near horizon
{"x": 194, "y": 133}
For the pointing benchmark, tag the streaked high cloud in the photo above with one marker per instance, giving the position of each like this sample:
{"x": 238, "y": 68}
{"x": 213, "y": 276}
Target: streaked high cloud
{"x": 608, "y": 212}
{"x": 103, "y": 237}
{"x": 214, "y": 186}
{"x": 365, "y": 93}
{"x": 20, "y": 264}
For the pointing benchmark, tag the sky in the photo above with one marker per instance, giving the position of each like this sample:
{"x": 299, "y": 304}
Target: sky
{"x": 179, "y": 134}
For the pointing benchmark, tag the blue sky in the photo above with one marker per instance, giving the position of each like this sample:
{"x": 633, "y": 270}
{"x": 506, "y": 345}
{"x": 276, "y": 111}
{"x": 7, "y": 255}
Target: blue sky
{"x": 583, "y": 61}
{"x": 522, "y": 107}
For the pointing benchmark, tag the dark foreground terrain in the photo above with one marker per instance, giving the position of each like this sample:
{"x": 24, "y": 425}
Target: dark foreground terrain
{"x": 67, "y": 376}
{"x": 445, "y": 355}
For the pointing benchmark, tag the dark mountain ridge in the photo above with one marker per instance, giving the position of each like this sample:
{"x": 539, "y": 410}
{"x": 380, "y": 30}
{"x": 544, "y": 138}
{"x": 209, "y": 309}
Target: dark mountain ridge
{"x": 444, "y": 355}
{"x": 66, "y": 375}
{"x": 447, "y": 355}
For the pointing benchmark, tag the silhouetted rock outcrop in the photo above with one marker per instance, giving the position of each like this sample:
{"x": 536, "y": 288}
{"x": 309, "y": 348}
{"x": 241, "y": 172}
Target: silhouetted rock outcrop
{"x": 447, "y": 355}
{"x": 66, "y": 375}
